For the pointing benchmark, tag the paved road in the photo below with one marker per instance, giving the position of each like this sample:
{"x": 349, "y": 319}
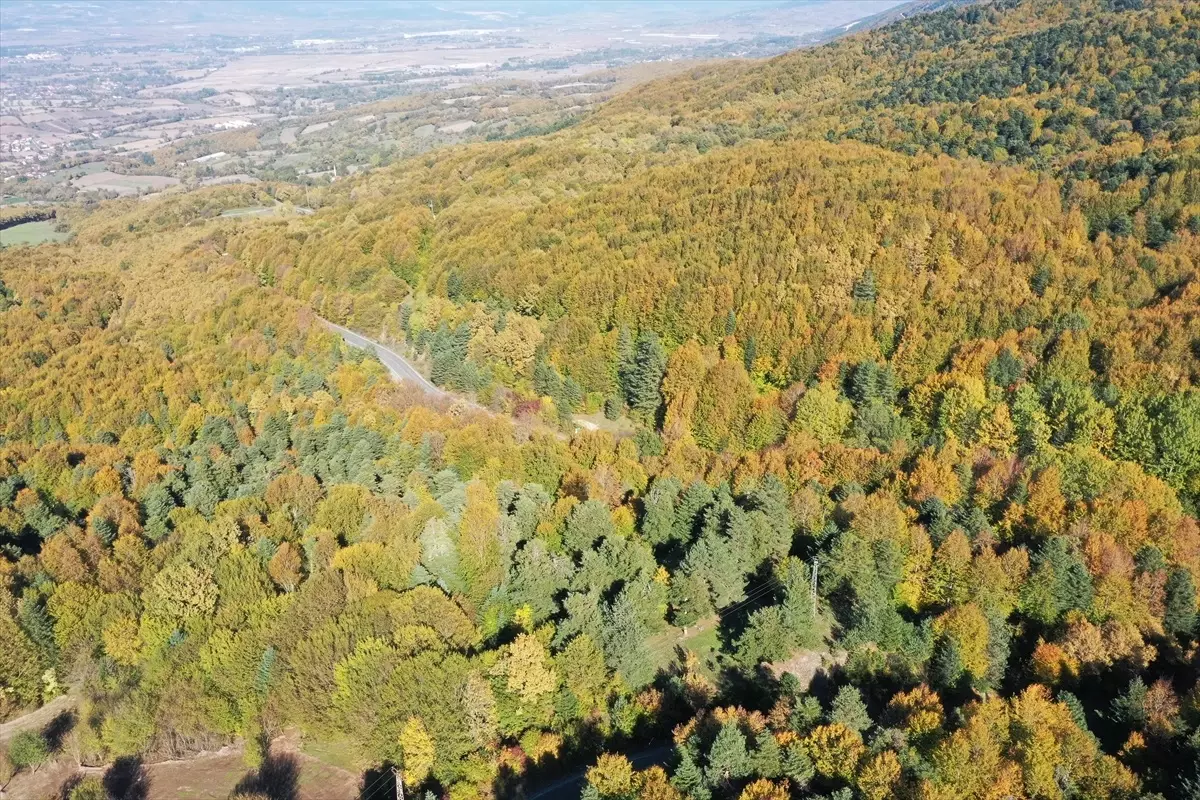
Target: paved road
{"x": 396, "y": 363}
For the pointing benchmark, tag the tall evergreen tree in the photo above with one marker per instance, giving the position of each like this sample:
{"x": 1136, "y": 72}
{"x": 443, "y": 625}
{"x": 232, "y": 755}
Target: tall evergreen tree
{"x": 946, "y": 666}
{"x": 849, "y": 709}
{"x": 689, "y": 778}
{"x": 626, "y": 353}
{"x": 658, "y": 520}
{"x": 645, "y": 378}
{"x": 625, "y": 641}
{"x": 766, "y": 759}
{"x": 546, "y": 381}
{"x": 1179, "y": 616}
{"x": 864, "y": 288}
{"x": 728, "y": 758}
{"x": 690, "y": 510}
{"x": 1072, "y": 582}
{"x": 589, "y": 522}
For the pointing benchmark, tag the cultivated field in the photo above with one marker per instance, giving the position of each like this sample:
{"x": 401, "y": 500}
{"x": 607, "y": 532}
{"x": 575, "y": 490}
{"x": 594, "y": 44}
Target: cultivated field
{"x": 107, "y": 181}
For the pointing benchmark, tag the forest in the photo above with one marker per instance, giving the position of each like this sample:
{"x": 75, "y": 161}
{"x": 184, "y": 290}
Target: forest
{"x": 820, "y": 427}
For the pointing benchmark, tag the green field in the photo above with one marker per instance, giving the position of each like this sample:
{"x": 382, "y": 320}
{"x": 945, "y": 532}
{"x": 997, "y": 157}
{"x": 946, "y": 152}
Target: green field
{"x": 703, "y": 639}
{"x": 77, "y": 171}
{"x": 32, "y": 233}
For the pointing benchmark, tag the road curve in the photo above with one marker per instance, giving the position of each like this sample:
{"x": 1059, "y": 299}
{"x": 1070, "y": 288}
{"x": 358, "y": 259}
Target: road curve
{"x": 396, "y": 363}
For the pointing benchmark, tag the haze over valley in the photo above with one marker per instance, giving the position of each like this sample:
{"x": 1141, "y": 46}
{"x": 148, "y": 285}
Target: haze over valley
{"x": 281, "y": 89}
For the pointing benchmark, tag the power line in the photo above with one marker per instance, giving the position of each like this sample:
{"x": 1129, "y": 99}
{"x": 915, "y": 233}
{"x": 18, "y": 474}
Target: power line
{"x": 383, "y": 776}
{"x": 725, "y": 614}
{"x": 367, "y": 791}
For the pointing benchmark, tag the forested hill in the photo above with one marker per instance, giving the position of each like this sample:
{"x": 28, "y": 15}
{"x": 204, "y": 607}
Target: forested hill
{"x": 916, "y": 309}
{"x": 1103, "y": 94}
{"x": 737, "y": 200}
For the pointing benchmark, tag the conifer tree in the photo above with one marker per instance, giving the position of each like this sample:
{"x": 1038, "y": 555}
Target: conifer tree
{"x": 689, "y": 778}
{"x": 1179, "y": 616}
{"x": 849, "y": 709}
{"x": 646, "y": 374}
{"x": 728, "y": 758}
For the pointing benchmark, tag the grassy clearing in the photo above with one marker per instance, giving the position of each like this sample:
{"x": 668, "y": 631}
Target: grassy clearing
{"x": 32, "y": 233}
{"x": 597, "y": 421}
{"x": 338, "y": 752}
{"x": 703, "y": 639}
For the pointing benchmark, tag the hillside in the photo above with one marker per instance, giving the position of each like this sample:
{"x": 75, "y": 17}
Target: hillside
{"x": 914, "y": 313}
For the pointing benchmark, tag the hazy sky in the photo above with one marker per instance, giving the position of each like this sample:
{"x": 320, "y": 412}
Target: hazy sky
{"x": 26, "y": 22}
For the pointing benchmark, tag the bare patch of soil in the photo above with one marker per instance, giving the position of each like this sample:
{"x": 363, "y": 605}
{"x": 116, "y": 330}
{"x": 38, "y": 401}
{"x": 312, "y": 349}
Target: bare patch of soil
{"x": 287, "y": 774}
{"x": 807, "y": 664}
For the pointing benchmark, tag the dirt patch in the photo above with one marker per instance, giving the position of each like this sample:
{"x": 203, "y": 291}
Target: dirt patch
{"x": 287, "y": 772}
{"x": 318, "y": 779}
{"x": 458, "y": 127}
{"x": 45, "y": 783}
{"x": 807, "y": 664}
{"x": 38, "y": 718}
{"x": 207, "y": 775}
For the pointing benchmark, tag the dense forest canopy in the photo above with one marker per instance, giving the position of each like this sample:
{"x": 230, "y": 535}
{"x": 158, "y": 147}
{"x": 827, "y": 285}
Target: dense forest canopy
{"x": 913, "y": 313}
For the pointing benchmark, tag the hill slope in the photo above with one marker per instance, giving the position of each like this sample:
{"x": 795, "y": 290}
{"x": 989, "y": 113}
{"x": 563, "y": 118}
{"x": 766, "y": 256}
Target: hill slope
{"x": 915, "y": 313}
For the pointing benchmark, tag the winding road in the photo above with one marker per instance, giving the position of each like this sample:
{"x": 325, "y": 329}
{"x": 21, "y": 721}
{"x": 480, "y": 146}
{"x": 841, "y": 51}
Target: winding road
{"x": 397, "y": 364}
{"x": 403, "y": 370}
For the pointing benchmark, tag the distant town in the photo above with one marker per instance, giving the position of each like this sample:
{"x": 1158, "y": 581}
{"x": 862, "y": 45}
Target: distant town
{"x": 187, "y": 100}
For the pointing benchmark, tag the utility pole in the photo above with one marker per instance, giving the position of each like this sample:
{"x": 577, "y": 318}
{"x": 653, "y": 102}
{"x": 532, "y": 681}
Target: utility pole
{"x": 399, "y": 784}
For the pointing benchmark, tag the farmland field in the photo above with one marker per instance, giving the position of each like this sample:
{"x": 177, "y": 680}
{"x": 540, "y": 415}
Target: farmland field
{"x": 124, "y": 184}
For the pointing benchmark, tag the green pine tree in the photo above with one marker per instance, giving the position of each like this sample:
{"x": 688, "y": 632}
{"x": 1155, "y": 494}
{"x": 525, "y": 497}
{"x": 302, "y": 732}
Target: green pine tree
{"x": 625, "y": 359}
{"x": 1179, "y": 618}
{"x": 688, "y": 777}
{"x": 864, "y": 288}
{"x": 658, "y": 519}
{"x": 849, "y": 709}
{"x": 766, "y": 760}
{"x": 645, "y": 377}
{"x": 946, "y": 667}
{"x": 728, "y": 758}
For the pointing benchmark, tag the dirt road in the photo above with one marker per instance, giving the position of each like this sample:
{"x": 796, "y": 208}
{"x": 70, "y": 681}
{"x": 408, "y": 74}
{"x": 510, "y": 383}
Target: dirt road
{"x": 39, "y": 718}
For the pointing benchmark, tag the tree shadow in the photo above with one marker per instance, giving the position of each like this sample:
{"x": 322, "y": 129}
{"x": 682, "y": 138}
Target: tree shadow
{"x": 68, "y": 786}
{"x": 559, "y": 775}
{"x": 126, "y": 779}
{"x": 378, "y": 783}
{"x": 57, "y": 729}
{"x": 508, "y": 783}
{"x": 278, "y": 778}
